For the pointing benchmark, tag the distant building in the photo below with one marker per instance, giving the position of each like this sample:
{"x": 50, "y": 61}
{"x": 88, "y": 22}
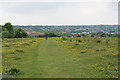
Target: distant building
{"x": 69, "y": 36}
{"x": 73, "y": 33}
{"x": 63, "y": 32}
{"x": 35, "y": 33}
{"x": 97, "y": 35}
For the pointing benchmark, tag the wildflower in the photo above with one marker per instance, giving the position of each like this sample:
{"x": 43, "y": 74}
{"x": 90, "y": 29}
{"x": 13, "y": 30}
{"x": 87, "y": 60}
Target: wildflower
{"x": 96, "y": 64}
{"x": 15, "y": 72}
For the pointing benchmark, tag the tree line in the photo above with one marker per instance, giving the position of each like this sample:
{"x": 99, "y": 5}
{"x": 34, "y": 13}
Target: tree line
{"x": 49, "y": 35}
{"x": 9, "y": 32}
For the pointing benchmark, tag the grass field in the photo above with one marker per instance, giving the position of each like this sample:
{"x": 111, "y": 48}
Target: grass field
{"x": 60, "y": 58}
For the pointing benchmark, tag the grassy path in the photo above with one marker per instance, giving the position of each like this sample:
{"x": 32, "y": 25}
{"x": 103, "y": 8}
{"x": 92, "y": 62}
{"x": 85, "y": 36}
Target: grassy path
{"x": 50, "y": 60}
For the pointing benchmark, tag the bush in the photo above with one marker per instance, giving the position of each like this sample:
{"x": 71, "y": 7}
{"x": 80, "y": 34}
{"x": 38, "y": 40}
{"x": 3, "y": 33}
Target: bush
{"x": 98, "y": 41}
{"x": 40, "y": 36}
{"x": 20, "y": 33}
{"x": 19, "y": 50}
{"x": 5, "y": 33}
{"x": 82, "y": 52}
{"x": 13, "y": 71}
{"x": 70, "y": 40}
{"x": 6, "y": 45}
{"x": 50, "y": 35}
{"x": 79, "y": 41}
{"x": 64, "y": 38}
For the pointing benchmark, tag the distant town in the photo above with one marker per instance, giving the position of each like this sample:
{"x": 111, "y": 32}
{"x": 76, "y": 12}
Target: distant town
{"x": 70, "y": 30}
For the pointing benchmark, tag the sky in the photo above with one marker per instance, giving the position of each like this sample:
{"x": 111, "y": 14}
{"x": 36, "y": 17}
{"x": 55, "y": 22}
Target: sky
{"x": 59, "y": 12}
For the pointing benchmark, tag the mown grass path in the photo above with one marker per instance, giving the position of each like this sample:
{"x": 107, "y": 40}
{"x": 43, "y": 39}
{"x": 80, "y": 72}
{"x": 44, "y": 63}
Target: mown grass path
{"x": 50, "y": 60}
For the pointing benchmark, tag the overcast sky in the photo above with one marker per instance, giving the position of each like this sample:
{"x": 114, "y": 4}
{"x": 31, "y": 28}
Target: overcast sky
{"x": 59, "y": 12}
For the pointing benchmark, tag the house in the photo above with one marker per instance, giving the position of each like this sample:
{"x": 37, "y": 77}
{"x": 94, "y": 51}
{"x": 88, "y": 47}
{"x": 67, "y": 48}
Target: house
{"x": 97, "y": 35}
{"x": 35, "y": 33}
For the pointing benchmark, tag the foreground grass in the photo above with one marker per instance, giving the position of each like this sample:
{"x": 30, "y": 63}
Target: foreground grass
{"x": 60, "y": 58}
{"x": 97, "y": 56}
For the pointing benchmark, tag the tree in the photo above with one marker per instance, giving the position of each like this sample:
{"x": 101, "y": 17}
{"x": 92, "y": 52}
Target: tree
{"x": 5, "y": 33}
{"x": 40, "y": 36}
{"x": 9, "y": 27}
{"x": 20, "y": 33}
{"x": 93, "y": 34}
{"x": 52, "y": 35}
{"x": 103, "y": 34}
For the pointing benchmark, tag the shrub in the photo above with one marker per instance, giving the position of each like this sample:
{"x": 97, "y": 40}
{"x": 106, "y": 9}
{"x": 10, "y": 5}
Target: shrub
{"x": 13, "y": 71}
{"x": 70, "y": 40}
{"x": 20, "y": 33}
{"x": 98, "y": 41}
{"x": 6, "y": 45}
{"x": 19, "y": 50}
{"x": 40, "y": 36}
{"x": 64, "y": 38}
{"x": 79, "y": 40}
{"x": 83, "y": 52}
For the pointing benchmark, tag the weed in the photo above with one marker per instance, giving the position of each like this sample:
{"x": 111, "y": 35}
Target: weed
{"x": 19, "y": 50}
{"x": 99, "y": 41}
{"x": 79, "y": 40}
{"x": 83, "y": 52}
{"x": 13, "y": 71}
{"x": 64, "y": 38}
{"x": 70, "y": 40}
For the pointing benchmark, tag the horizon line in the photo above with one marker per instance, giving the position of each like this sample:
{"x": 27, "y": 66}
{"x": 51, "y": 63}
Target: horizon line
{"x": 61, "y": 24}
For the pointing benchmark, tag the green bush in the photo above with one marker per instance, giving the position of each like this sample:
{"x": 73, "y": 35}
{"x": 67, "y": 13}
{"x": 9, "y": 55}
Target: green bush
{"x": 83, "y": 52}
{"x": 79, "y": 40}
{"x": 99, "y": 41}
{"x": 13, "y": 71}
{"x": 20, "y": 33}
{"x": 70, "y": 40}
{"x": 19, "y": 50}
{"x": 64, "y": 38}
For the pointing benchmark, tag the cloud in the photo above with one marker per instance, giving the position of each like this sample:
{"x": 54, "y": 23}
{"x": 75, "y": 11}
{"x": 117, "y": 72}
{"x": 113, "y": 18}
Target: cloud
{"x": 31, "y": 7}
{"x": 59, "y": 12}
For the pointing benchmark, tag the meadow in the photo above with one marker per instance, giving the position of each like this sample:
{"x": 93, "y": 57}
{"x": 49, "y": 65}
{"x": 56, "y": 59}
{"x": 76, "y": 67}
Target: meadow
{"x": 60, "y": 58}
